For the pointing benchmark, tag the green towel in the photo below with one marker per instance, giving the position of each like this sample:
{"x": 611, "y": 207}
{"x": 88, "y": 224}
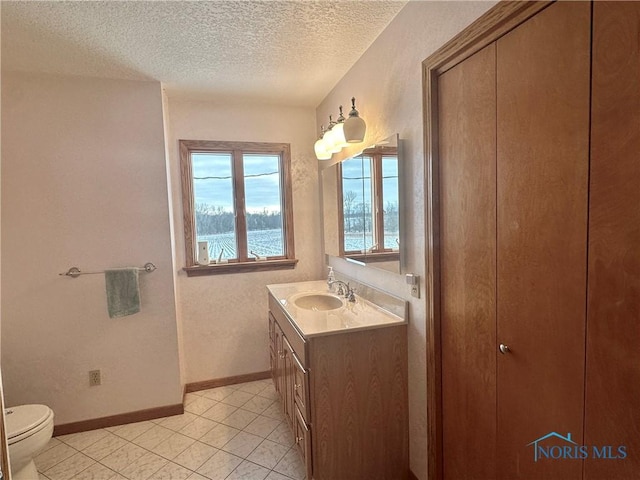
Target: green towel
{"x": 123, "y": 293}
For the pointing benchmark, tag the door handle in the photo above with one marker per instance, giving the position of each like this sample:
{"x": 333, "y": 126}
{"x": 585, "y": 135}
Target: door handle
{"x": 504, "y": 348}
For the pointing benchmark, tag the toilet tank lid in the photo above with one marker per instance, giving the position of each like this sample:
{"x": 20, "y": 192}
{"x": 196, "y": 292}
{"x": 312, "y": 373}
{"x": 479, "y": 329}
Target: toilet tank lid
{"x": 23, "y": 418}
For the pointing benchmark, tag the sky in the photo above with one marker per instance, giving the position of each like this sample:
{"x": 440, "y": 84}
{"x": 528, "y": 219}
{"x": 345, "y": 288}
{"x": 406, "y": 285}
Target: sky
{"x": 353, "y": 171}
{"x": 352, "y": 179}
{"x": 261, "y": 191}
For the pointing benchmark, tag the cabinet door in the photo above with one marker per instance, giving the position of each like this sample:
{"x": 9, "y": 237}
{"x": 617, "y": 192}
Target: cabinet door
{"x": 543, "y": 71}
{"x": 272, "y": 351}
{"x": 278, "y": 360}
{"x": 289, "y": 379}
{"x": 613, "y": 328}
{"x": 467, "y": 159}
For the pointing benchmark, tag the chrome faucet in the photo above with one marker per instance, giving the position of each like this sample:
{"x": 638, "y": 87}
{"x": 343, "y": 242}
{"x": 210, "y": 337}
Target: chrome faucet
{"x": 344, "y": 289}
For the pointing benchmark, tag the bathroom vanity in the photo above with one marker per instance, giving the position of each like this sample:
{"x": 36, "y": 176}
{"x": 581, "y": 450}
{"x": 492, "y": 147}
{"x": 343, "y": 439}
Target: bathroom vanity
{"x": 340, "y": 369}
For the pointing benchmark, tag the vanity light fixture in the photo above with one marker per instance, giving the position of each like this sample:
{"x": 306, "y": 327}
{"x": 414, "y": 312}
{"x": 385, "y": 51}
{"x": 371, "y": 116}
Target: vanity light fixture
{"x": 320, "y": 147}
{"x": 354, "y": 126}
{"x": 340, "y": 134}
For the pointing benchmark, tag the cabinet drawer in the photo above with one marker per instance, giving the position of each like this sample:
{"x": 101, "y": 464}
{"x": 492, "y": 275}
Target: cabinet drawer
{"x": 303, "y": 441}
{"x": 301, "y": 387}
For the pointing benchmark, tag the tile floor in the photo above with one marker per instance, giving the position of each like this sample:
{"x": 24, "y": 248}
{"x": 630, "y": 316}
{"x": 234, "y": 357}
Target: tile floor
{"x": 233, "y": 432}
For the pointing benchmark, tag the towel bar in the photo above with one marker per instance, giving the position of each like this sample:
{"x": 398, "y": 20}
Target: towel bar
{"x": 74, "y": 272}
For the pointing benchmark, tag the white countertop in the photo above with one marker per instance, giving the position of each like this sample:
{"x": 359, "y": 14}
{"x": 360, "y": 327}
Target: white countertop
{"x": 361, "y": 315}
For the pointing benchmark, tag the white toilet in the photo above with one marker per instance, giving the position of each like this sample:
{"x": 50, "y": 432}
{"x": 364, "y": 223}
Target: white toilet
{"x": 29, "y": 429}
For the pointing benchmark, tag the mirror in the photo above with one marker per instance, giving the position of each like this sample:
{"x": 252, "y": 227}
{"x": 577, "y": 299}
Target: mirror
{"x": 361, "y": 207}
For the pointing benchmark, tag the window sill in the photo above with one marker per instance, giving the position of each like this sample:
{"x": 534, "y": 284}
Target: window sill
{"x": 222, "y": 268}
{"x": 374, "y": 257}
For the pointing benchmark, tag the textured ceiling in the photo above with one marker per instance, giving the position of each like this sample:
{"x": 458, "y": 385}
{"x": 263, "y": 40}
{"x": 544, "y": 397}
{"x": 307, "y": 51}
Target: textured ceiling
{"x": 285, "y": 52}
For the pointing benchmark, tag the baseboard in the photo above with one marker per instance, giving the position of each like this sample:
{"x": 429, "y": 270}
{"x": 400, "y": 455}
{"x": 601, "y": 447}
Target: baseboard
{"x": 221, "y": 382}
{"x": 412, "y": 476}
{"x": 158, "y": 412}
{"x": 120, "y": 419}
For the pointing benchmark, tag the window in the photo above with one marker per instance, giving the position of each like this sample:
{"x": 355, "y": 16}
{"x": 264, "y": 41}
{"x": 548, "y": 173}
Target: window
{"x": 370, "y": 213}
{"x": 237, "y": 197}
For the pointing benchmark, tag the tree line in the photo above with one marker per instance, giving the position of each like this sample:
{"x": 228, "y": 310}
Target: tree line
{"x": 358, "y": 218}
{"x": 212, "y": 219}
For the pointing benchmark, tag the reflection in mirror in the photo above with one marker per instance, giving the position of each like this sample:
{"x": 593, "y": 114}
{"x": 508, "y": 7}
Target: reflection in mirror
{"x": 362, "y": 207}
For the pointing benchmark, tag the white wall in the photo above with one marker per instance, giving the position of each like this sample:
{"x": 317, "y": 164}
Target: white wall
{"x": 387, "y": 84}
{"x": 224, "y": 317}
{"x": 84, "y": 184}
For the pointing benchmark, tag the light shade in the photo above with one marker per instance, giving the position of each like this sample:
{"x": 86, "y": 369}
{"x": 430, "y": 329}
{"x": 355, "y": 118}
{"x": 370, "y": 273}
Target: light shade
{"x": 338, "y": 131}
{"x": 354, "y": 126}
{"x": 320, "y": 147}
{"x": 331, "y": 142}
{"x": 321, "y": 151}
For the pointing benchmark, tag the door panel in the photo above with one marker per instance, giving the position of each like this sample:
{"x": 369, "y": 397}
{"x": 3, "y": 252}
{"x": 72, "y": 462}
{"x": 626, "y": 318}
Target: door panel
{"x": 542, "y": 173}
{"x": 613, "y": 328}
{"x": 467, "y": 160}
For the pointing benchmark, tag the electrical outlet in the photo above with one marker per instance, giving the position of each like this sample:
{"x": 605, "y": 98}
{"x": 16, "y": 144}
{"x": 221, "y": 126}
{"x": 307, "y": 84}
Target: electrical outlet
{"x": 413, "y": 281}
{"x": 94, "y": 378}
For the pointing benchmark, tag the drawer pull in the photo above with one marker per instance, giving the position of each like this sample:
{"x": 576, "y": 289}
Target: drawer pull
{"x": 298, "y": 440}
{"x": 296, "y": 386}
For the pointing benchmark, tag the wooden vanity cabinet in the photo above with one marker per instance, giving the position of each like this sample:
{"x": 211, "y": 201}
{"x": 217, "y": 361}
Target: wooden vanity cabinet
{"x": 345, "y": 397}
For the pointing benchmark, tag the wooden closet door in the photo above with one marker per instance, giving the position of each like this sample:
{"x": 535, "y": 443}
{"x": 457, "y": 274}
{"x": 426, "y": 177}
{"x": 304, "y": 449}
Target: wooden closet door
{"x": 467, "y": 159}
{"x": 542, "y": 174}
{"x": 613, "y": 321}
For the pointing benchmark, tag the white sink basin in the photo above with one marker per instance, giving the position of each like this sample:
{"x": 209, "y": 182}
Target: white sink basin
{"x": 317, "y": 302}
